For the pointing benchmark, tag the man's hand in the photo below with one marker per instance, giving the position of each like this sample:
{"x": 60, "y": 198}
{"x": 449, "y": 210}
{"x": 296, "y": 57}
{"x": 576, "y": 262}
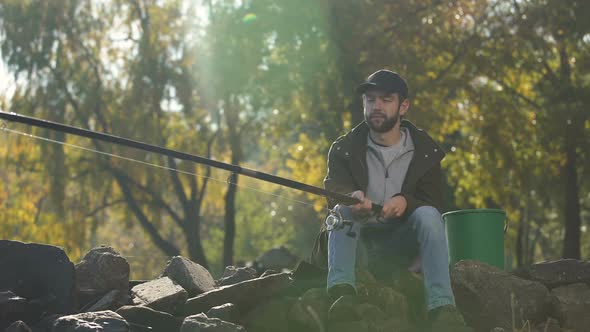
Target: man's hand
{"x": 394, "y": 207}
{"x": 364, "y": 207}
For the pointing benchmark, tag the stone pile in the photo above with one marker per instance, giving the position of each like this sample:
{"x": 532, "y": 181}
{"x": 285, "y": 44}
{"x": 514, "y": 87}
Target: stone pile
{"x": 41, "y": 290}
{"x": 546, "y": 297}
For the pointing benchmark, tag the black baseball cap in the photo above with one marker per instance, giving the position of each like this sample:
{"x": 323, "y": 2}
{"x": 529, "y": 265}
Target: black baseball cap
{"x": 385, "y": 80}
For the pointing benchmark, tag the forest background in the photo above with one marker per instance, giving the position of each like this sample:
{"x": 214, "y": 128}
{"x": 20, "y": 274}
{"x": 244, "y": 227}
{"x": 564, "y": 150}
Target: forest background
{"x": 503, "y": 85}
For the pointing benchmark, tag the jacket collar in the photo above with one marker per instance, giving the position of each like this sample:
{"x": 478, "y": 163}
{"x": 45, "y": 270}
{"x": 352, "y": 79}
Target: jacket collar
{"x": 356, "y": 139}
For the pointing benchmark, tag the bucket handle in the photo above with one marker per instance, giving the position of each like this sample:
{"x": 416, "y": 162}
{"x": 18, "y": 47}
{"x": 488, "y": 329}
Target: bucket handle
{"x": 505, "y": 225}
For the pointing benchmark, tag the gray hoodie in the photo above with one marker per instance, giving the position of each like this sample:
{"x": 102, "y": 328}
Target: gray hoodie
{"x": 386, "y": 180}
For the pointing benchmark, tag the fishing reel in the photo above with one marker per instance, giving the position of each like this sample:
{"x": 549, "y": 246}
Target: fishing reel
{"x": 335, "y": 221}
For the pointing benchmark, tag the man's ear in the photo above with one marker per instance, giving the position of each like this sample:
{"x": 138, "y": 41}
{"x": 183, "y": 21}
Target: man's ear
{"x": 403, "y": 109}
{"x": 364, "y": 100}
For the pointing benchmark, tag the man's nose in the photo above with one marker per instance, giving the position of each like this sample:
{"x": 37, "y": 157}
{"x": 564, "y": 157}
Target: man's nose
{"x": 378, "y": 104}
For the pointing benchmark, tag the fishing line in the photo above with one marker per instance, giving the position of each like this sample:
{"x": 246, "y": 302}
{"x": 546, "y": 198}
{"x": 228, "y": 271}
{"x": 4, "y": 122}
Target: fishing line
{"x": 334, "y": 221}
{"x": 4, "y": 127}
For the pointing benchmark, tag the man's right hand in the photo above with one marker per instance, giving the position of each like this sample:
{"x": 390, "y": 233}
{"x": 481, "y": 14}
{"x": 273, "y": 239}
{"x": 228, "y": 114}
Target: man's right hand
{"x": 364, "y": 207}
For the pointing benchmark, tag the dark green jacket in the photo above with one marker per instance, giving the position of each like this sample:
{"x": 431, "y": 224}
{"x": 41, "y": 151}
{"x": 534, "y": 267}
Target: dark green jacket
{"x": 347, "y": 172}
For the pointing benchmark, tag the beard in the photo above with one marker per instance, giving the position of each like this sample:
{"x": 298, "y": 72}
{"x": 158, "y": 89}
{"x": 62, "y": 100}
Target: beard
{"x": 386, "y": 124}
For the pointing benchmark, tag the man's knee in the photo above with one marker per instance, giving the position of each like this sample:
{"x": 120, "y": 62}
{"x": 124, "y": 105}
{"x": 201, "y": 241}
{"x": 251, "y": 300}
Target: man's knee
{"x": 427, "y": 218}
{"x": 427, "y": 211}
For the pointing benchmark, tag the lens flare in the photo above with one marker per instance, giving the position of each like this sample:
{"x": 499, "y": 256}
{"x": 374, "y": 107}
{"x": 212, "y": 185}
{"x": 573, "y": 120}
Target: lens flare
{"x": 249, "y": 18}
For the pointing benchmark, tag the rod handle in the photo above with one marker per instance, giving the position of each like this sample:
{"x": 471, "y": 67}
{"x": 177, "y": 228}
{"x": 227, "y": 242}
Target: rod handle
{"x": 376, "y": 208}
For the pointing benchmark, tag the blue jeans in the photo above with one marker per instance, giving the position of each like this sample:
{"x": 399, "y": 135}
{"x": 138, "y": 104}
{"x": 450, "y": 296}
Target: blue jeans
{"x": 395, "y": 243}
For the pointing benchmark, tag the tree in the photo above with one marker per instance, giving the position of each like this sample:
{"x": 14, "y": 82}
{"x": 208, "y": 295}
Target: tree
{"x": 528, "y": 55}
{"x": 103, "y": 85}
{"x": 269, "y": 84}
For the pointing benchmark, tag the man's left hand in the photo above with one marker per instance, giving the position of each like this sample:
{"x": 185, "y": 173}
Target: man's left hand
{"x": 394, "y": 207}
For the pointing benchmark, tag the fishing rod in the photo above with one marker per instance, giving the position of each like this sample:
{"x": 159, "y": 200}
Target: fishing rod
{"x": 335, "y": 219}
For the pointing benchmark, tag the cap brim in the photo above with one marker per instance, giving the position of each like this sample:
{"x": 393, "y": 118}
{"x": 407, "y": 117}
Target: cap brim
{"x": 364, "y": 87}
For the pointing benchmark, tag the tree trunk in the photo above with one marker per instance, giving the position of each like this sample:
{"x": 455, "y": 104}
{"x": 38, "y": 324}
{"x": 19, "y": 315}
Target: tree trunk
{"x": 533, "y": 246}
{"x": 571, "y": 246}
{"x": 195, "y": 248}
{"x": 232, "y": 118}
{"x": 167, "y": 248}
{"x": 340, "y": 33}
{"x": 230, "y": 221}
{"x": 519, "y": 243}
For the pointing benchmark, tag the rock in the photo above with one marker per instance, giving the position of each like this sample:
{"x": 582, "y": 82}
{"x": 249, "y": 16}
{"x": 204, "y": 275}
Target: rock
{"x": 385, "y": 308}
{"x": 366, "y": 278}
{"x": 233, "y": 275}
{"x": 344, "y": 309}
{"x": 392, "y": 303}
{"x": 112, "y": 300}
{"x": 150, "y": 318}
{"x": 40, "y": 273}
{"x": 389, "y": 325}
{"x": 104, "y": 321}
{"x": 202, "y": 323}
{"x": 227, "y": 312}
{"x": 101, "y": 270}
{"x": 557, "y": 273}
{"x": 245, "y": 295}
{"x": 194, "y": 278}
{"x": 269, "y": 272}
{"x": 355, "y": 326}
{"x": 311, "y": 309}
{"x": 489, "y": 297}
{"x": 409, "y": 292}
{"x": 46, "y": 323}
{"x": 306, "y": 271}
{"x": 276, "y": 259}
{"x": 18, "y": 326}
{"x": 370, "y": 312}
{"x": 307, "y": 276}
{"x": 161, "y": 294}
{"x": 550, "y": 325}
{"x": 272, "y": 316}
{"x": 13, "y": 308}
{"x": 571, "y": 306}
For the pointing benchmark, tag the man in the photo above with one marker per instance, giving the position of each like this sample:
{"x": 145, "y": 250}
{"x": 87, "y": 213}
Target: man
{"x": 388, "y": 161}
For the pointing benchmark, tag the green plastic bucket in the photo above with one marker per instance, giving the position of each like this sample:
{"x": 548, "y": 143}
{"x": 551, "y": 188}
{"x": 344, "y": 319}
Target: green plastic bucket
{"x": 476, "y": 234}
